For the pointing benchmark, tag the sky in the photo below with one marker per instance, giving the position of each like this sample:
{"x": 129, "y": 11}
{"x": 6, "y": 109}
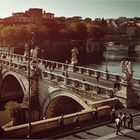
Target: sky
{"x": 68, "y": 8}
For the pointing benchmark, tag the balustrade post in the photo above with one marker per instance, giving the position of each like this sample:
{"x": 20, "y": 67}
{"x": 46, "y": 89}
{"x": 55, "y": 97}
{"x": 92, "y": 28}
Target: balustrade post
{"x": 81, "y": 70}
{"x": 66, "y": 80}
{"x": 63, "y": 66}
{"x": 84, "y": 86}
{"x": 57, "y": 65}
{"x": 89, "y": 72}
{"x": 107, "y": 76}
{"x": 50, "y": 76}
{"x": 57, "y": 78}
{"x": 117, "y": 77}
{"x": 98, "y": 90}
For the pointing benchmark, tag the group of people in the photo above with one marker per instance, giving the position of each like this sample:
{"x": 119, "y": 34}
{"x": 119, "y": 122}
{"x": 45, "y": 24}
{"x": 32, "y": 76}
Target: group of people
{"x": 76, "y": 119}
{"x": 121, "y": 120}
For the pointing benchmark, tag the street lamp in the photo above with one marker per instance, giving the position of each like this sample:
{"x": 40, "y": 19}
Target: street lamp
{"x": 106, "y": 65}
{"x": 31, "y": 41}
{"x": 66, "y": 73}
{"x": 42, "y": 54}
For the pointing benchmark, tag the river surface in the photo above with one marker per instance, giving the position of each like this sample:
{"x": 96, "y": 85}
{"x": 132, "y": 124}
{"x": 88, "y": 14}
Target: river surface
{"x": 114, "y": 55}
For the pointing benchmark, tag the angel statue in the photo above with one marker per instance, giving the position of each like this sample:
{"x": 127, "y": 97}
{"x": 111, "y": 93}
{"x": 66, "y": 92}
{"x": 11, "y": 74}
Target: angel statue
{"x": 34, "y": 54}
{"x": 126, "y": 68}
{"x": 26, "y": 50}
{"x": 74, "y": 59}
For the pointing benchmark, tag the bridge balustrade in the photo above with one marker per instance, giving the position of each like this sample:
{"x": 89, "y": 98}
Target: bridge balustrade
{"x": 78, "y": 84}
{"x": 64, "y": 66}
{"x": 20, "y": 60}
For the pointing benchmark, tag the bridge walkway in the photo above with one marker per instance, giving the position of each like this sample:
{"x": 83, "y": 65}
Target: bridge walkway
{"x": 87, "y": 78}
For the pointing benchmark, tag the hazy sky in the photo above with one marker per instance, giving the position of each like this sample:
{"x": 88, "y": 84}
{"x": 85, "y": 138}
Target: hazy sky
{"x": 69, "y": 8}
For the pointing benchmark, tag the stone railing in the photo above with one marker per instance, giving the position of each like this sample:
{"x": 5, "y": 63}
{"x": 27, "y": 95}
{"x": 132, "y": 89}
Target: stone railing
{"x": 84, "y": 88}
{"x": 21, "y": 61}
{"x": 53, "y": 123}
{"x": 98, "y": 74}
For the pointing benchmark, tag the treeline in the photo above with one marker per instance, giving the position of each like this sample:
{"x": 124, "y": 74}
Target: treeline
{"x": 71, "y": 31}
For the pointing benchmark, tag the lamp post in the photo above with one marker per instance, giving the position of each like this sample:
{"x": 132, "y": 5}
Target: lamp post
{"x": 31, "y": 42}
{"x": 106, "y": 65}
{"x": 66, "y": 73}
{"x": 42, "y": 57}
{"x": 42, "y": 54}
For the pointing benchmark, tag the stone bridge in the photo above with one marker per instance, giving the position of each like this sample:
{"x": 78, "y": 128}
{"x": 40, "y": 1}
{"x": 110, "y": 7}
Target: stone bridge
{"x": 56, "y": 88}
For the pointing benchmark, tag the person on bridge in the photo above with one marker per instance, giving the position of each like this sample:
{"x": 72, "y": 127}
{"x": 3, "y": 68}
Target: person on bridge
{"x": 123, "y": 118}
{"x": 113, "y": 114}
{"x": 118, "y": 125}
{"x": 61, "y": 121}
{"x": 97, "y": 76}
{"x": 130, "y": 121}
{"x": 95, "y": 113}
{"x": 76, "y": 121}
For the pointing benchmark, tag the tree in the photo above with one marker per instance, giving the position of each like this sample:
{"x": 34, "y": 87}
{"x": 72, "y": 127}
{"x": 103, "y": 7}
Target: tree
{"x": 16, "y": 111}
{"x": 77, "y": 30}
{"x": 11, "y": 107}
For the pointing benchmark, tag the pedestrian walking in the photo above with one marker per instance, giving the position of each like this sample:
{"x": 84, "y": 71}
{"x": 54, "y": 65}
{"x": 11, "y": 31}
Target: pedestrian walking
{"x": 118, "y": 125}
{"x": 95, "y": 113}
{"x": 97, "y": 76}
{"x": 113, "y": 114}
{"x": 123, "y": 118}
{"x": 120, "y": 117}
{"x": 130, "y": 121}
{"x": 61, "y": 121}
{"x": 76, "y": 121}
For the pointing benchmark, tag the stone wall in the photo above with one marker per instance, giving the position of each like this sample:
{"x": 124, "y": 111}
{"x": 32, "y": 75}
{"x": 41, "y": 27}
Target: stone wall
{"x": 38, "y": 126}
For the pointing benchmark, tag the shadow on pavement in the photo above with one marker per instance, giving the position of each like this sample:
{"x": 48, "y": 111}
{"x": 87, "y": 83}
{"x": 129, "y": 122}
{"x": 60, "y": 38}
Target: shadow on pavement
{"x": 89, "y": 133}
{"x": 127, "y": 136}
{"x": 79, "y": 137}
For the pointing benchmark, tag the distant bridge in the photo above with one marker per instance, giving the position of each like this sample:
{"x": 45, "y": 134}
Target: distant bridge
{"x": 130, "y": 42}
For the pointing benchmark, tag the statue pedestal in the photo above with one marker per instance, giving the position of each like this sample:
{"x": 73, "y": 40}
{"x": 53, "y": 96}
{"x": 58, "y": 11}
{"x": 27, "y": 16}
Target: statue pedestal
{"x": 127, "y": 95}
{"x": 71, "y": 67}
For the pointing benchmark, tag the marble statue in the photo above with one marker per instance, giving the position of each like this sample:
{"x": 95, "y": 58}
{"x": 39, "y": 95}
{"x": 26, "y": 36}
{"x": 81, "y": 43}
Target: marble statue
{"x": 126, "y": 68}
{"x": 34, "y": 53}
{"x": 74, "y": 59}
{"x": 26, "y": 50}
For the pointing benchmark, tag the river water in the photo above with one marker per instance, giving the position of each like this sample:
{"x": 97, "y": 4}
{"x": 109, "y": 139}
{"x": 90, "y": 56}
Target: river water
{"x": 113, "y": 55}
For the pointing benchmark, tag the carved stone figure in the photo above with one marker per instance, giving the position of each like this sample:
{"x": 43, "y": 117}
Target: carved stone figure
{"x": 34, "y": 53}
{"x": 126, "y": 68}
{"x": 74, "y": 59}
{"x": 26, "y": 50}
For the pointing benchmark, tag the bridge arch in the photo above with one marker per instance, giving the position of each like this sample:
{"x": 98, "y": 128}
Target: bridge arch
{"x": 13, "y": 86}
{"x": 62, "y": 102}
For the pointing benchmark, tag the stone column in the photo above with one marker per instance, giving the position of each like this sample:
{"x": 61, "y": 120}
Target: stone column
{"x": 35, "y": 106}
{"x": 126, "y": 95}
{"x": 57, "y": 78}
{"x": 71, "y": 67}
{"x": 66, "y": 80}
